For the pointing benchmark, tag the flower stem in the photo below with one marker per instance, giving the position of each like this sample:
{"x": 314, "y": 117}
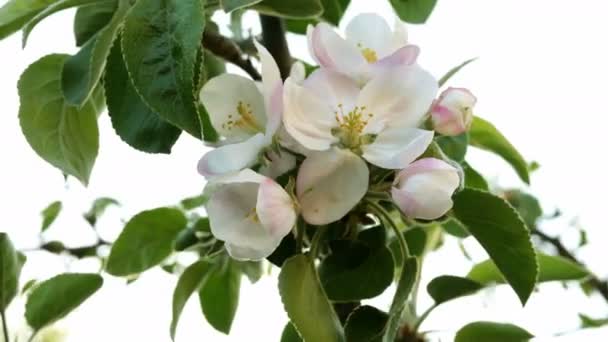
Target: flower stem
{"x": 316, "y": 242}
{"x": 423, "y": 317}
{"x": 383, "y": 214}
{"x": 4, "y": 326}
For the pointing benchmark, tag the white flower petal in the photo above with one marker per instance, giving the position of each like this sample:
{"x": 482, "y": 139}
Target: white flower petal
{"x": 275, "y": 209}
{"x": 396, "y": 147}
{"x": 401, "y": 96}
{"x": 232, "y": 157}
{"x": 298, "y": 72}
{"x": 279, "y": 164}
{"x": 273, "y": 88}
{"x": 399, "y": 34}
{"x": 226, "y": 98}
{"x": 370, "y": 31}
{"x": 330, "y": 184}
{"x": 424, "y": 189}
{"x": 307, "y": 117}
{"x": 252, "y": 253}
{"x": 335, "y": 88}
{"x": 332, "y": 51}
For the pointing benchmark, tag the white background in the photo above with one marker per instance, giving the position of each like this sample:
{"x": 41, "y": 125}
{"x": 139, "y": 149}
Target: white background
{"x": 540, "y": 78}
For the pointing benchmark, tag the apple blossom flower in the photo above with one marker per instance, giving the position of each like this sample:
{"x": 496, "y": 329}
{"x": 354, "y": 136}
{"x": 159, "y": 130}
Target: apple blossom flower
{"x": 369, "y": 46}
{"x": 248, "y": 117}
{"x": 452, "y": 113}
{"x": 251, "y": 213}
{"x": 424, "y": 189}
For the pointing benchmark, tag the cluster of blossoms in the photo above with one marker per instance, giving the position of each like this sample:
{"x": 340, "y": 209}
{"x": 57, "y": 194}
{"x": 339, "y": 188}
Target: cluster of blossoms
{"x": 359, "y": 115}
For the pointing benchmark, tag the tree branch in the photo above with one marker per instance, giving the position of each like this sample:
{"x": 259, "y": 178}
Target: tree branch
{"x": 599, "y": 285}
{"x": 273, "y": 35}
{"x": 228, "y": 50}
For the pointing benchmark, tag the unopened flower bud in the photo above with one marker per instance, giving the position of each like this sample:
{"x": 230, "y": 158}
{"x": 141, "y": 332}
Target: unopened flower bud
{"x": 452, "y": 113}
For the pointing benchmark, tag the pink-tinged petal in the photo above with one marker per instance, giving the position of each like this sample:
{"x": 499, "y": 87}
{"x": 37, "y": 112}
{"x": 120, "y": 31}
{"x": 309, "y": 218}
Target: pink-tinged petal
{"x": 404, "y": 56}
{"x": 370, "y": 31}
{"x": 396, "y": 147}
{"x": 307, "y": 117}
{"x": 232, "y": 157}
{"x": 424, "y": 189}
{"x": 401, "y": 96}
{"x": 333, "y": 51}
{"x": 273, "y": 88}
{"x": 334, "y": 88}
{"x": 330, "y": 184}
{"x": 452, "y": 113}
{"x": 275, "y": 209}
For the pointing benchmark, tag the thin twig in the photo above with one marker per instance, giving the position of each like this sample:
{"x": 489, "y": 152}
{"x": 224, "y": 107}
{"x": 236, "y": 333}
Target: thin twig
{"x": 273, "y": 35}
{"x": 228, "y": 50}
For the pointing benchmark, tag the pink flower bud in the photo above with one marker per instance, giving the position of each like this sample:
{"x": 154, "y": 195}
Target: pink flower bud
{"x": 452, "y": 113}
{"x": 424, "y": 189}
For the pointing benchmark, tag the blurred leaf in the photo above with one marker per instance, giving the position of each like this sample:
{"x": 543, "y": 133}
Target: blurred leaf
{"x": 219, "y": 295}
{"x": 55, "y": 247}
{"x": 290, "y": 9}
{"x": 473, "y": 179}
{"x": 15, "y": 13}
{"x": 490, "y": 331}
{"x": 254, "y": 270}
{"x": 91, "y": 19}
{"x": 55, "y": 298}
{"x": 409, "y": 274}
{"x": 485, "y": 136}
{"x": 551, "y": 268}
{"x": 414, "y": 11}
{"x": 66, "y": 137}
{"x": 54, "y": 8}
{"x": 208, "y": 67}
{"x": 160, "y": 43}
{"x": 333, "y": 11}
{"x": 29, "y": 285}
{"x": 146, "y": 240}
{"x": 188, "y": 283}
{"x": 194, "y": 202}
{"x": 132, "y": 119}
{"x": 231, "y": 5}
{"x": 81, "y": 72}
{"x": 286, "y": 250}
{"x": 290, "y": 334}
{"x": 588, "y": 322}
{"x": 455, "y": 228}
{"x": 527, "y": 206}
{"x": 49, "y": 214}
{"x": 373, "y": 237}
{"x": 185, "y": 239}
{"x": 97, "y": 209}
{"x": 365, "y": 324}
{"x": 454, "y": 71}
{"x": 306, "y": 303}
{"x": 354, "y": 271}
{"x": 504, "y": 236}
{"x": 11, "y": 263}
{"x": 454, "y": 147}
{"x": 446, "y": 288}
{"x": 416, "y": 241}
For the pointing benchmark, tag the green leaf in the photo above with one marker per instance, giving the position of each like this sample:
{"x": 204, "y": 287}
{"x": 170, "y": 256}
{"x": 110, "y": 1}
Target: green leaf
{"x": 91, "y": 19}
{"x": 132, "y": 119}
{"x": 65, "y": 136}
{"x": 286, "y": 249}
{"x": 455, "y": 228}
{"x": 231, "y": 5}
{"x": 504, "y": 236}
{"x": 55, "y": 298}
{"x": 97, "y": 209}
{"x": 446, "y": 288}
{"x": 409, "y": 275}
{"x": 296, "y": 9}
{"x": 454, "y": 71}
{"x": 365, "y": 324}
{"x": 290, "y": 334}
{"x": 210, "y": 67}
{"x": 11, "y": 263}
{"x": 161, "y": 39}
{"x": 254, "y": 270}
{"x": 49, "y": 214}
{"x": 588, "y": 322}
{"x": 194, "y": 202}
{"x": 306, "y": 303}
{"x": 416, "y": 241}
{"x": 188, "y": 283}
{"x": 355, "y": 271}
{"x": 526, "y": 205}
{"x": 15, "y": 13}
{"x": 413, "y": 11}
{"x": 454, "y": 147}
{"x": 473, "y": 179}
{"x": 52, "y": 9}
{"x": 82, "y": 71}
{"x": 490, "y": 331}
{"x": 485, "y": 136}
{"x": 219, "y": 295}
{"x": 333, "y": 11}
{"x": 551, "y": 268}
{"x": 146, "y": 240}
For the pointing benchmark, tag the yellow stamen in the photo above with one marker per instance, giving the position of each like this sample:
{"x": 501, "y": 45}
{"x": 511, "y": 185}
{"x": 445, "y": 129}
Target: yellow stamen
{"x": 246, "y": 121}
{"x": 369, "y": 54}
{"x": 351, "y": 125}
{"x": 253, "y": 216}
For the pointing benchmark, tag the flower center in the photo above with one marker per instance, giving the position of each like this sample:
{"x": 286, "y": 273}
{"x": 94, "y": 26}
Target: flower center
{"x": 245, "y": 120}
{"x": 369, "y": 54}
{"x": 351, "y": 126}
{"x": 253, "y": 216}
